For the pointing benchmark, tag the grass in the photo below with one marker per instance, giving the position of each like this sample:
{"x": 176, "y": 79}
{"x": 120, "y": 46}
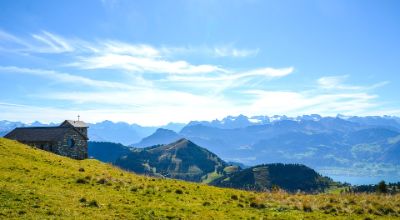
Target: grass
{"x": 35, "y": 184}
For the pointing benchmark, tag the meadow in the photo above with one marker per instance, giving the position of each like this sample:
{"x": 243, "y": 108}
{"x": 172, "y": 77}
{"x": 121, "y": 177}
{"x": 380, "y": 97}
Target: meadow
{"x": 35, "y": 184}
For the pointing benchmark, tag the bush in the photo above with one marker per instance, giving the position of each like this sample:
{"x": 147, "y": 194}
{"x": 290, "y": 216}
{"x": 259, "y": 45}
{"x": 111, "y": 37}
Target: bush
{"x": 83, "y": 199}
{"x": 275, "y": 188}
{"x": 81, "y": 169}
{"x": 81, "y": 181}
{"x": 256, "y": 205}
{"x": 178, "y": 191}
{"x": 382, "y": 187}
{"x": 206, "y": 203}
{"x": 93, "y": 203}
{"x": 234, "y": 197}
{"x": 134, "y": 189}
{"x": 102, "y": 181}
{"x": 307, "y": 208}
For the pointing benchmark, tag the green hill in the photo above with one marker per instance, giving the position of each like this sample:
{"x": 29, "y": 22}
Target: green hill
{"x": 290, "y": 177}
{"x": 179, "y": 160}
{"x": 35, "y": 184}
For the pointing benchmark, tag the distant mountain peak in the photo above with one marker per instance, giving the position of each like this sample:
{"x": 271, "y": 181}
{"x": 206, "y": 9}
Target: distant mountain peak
{"x": 160, "y": 136}
{"x": 162, "y": 130}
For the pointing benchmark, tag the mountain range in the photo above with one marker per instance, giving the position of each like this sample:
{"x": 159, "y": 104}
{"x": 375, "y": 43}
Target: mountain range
{"x": 335, "y": 146}
{"x": 342, "y": 147}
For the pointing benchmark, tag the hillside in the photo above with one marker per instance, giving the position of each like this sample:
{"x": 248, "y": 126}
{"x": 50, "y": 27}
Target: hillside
{"x": 180, "y": 160}
{"x": 35, "y": 184}
{"x": 290, "y": 177}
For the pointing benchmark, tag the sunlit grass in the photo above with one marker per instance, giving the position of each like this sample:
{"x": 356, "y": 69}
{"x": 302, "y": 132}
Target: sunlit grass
{"x": 37, "y": 184}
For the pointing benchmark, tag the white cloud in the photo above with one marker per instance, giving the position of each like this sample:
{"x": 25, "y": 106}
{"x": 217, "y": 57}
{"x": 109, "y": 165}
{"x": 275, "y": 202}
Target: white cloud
{"x": 234, "y": 52}
{"x": 109, "y": 54}
{"x": 44, "y": 42}
{"x": 160, "y": 88}
{"x": 266, "y": 72}
{"x": 7, "y": 37}
{"x": 65, "y": 77}
{"x": 143, "y": 64}
{"x": 334, "y": 82}
{"x": 309, "y": 102}
{"x": 54, "y": 43}
{"x": 337, "y": 82}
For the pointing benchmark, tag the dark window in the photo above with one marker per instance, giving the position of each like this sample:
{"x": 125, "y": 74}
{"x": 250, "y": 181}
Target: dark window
{"x": 71, "y": 142}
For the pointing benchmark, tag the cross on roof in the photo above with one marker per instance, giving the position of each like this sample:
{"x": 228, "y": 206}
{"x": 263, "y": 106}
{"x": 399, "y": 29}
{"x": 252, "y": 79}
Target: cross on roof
{"x": 78, "y": 117}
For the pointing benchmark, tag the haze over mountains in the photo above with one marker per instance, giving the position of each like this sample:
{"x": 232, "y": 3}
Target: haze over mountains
{"x": 345, "y": 147}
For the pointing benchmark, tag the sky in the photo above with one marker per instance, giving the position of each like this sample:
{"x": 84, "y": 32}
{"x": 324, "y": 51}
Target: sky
{"x": 154, "y": 62}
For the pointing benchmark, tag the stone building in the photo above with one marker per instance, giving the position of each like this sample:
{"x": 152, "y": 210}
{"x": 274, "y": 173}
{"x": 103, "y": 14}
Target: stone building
{"x": 69, "y": 139}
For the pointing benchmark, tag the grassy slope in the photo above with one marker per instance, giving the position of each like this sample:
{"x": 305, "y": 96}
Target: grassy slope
{"x": 38, "y": 184}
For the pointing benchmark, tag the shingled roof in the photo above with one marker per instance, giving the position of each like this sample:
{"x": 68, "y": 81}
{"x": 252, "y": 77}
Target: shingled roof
{"x": 39, "y": 134}
{"x": 77, "y": 124}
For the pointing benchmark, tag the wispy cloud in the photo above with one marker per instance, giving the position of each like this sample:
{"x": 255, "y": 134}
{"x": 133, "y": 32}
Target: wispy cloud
{"x": 54, "y": 43}
{"x": 65, "y": 77}
{"x": 7, "y": 37}
{"x": 234, "y": 52}
{"x": 43, "y": 42}
{"x": 267, "y": 72}
{"x": 154, "y": 85}
{"x": 143, "y": 64}
{"x": 297, "y": 103}
{"x": 338, "y": 82}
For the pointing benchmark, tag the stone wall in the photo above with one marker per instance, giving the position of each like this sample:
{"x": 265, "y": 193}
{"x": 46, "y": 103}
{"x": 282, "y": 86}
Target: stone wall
{"x": 78, "y": 151}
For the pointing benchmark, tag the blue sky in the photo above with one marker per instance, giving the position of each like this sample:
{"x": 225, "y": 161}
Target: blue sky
{"x": 153, "y": 62}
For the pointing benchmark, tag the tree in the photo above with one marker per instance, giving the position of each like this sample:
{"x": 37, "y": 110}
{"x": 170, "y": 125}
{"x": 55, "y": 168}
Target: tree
{"x": 382, "y": 187}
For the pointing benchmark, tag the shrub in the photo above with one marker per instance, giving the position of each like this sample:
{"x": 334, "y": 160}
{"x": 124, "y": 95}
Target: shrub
{"x": 275, "y": 188}
{"x": 307, "y": 208}
{"x": 256, "y": 205}
{"x": 134, "y": 189}
{"x": 83, "y": 199}
{"x": 50, "y": 213}
{"x": 102, "y": 181}
{"x": 234, "y": 197}
{"x": 206, "y": 203}
{"x": 81, "y": 169}
{"x": 382, "y": 187}
{"x": 81, "y": 181}
{"x": 93, "y": 203}
{"x": 178, "y": 191}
